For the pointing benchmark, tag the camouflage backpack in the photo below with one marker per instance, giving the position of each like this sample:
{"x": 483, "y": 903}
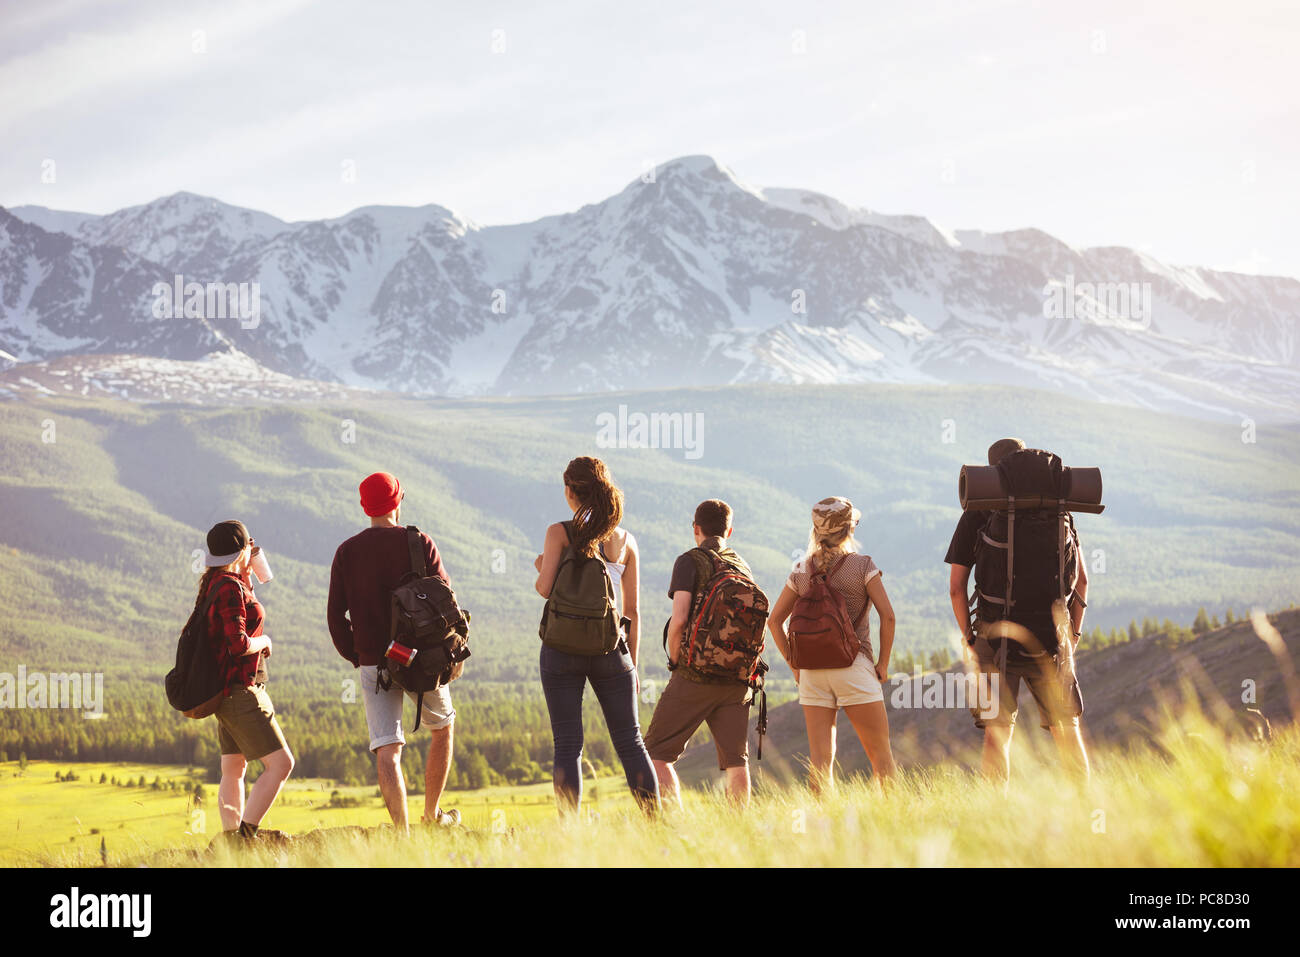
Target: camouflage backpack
{"x": 724, "y": 633}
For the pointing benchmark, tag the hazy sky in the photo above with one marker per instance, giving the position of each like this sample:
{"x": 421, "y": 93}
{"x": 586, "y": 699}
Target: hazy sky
{"x": 1173, "y": 129}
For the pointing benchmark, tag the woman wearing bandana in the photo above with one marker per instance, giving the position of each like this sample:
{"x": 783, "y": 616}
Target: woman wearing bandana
{"x": 832, "y": 551}
{"x": 246, "y": 719}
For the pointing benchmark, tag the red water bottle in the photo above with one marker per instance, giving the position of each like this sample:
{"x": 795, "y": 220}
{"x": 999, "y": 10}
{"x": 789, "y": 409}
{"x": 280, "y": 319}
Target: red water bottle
{"x": 400, "y": 653}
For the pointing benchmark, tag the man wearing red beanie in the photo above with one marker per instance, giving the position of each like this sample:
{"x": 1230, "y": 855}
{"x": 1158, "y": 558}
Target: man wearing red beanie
{"x": 367, "y": 567}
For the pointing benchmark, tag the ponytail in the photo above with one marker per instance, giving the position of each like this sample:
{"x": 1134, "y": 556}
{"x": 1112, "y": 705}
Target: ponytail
{"x": 204, "y": 581}
{"x": 600, "y": 503}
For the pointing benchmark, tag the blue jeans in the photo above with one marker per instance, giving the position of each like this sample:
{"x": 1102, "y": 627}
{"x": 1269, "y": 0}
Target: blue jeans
{"x": 564, "y": 679}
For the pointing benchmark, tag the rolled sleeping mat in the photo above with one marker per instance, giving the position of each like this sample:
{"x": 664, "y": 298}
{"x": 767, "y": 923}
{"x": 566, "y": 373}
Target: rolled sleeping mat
{"x": 980, "y": 488}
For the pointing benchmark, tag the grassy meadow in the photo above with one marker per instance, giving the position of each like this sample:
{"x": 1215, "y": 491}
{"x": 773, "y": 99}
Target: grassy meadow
{"x": 1191, "y": 798}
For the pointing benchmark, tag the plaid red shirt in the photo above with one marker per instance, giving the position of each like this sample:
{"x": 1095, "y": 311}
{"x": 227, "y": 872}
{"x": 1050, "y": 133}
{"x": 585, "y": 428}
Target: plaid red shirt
{"x": 233, "y": 617}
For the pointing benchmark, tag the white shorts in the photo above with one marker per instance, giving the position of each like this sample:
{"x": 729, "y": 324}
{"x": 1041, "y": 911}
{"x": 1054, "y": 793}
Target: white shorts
{"x": 840, "y": 687}
{"x": 384, "y": 710}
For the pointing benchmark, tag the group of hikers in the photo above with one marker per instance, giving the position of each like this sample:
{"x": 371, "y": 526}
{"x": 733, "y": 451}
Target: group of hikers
{"x": 589, "y": 574}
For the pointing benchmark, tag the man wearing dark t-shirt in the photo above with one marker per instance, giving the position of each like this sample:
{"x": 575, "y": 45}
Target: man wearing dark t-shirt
{"x": 691, "y": 698}
{"x": 367, "y": 567}
{"x": 1059, "y": 709}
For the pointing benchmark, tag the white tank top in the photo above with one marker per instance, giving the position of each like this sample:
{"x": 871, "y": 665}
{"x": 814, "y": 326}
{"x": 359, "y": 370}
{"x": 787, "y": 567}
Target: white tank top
{"x": 616, "y": 575}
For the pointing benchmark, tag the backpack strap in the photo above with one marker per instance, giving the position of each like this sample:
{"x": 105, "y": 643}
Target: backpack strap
{"x": 200, "y": 614}
{"x": 419, "y": 712}
{"x": 1061, "y": 518}
{"x": 707, "y": 564}
{"x": 1011, "y": 577}
{"x": 416, "y": 547}
{"x": 866, "y": 599}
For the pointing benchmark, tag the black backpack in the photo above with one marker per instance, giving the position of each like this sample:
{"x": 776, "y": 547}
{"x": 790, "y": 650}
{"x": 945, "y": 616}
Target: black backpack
{"x": 1027, "y": 559}
{"x": 425, "y": 617}
{"x": 195, "y": 685}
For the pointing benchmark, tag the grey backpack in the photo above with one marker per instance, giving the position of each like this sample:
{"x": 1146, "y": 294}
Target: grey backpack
{"x": 581, "y": 616}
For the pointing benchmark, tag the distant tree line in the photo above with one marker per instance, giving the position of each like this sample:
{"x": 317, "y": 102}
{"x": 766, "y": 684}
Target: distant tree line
{"x": 503, "y": 733}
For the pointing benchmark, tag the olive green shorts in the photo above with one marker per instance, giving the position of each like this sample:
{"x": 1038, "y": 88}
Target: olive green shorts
{"x": 246, "y": 724}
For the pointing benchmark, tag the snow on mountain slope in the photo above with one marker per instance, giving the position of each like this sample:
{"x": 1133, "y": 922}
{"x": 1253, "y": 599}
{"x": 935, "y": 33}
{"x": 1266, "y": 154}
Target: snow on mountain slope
{"x": 54, "y": 220}
{"x": 60, "y": 296}
{"x": 217, "y": 379}
{"x": 689, "y": 277}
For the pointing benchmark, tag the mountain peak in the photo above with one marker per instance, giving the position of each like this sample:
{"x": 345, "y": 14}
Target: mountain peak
{"x": 700, "y": 168}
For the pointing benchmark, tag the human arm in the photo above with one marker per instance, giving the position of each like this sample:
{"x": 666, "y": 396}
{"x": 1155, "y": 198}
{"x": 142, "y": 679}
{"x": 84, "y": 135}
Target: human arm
{"x": 677, "y": 623}
{"x": 433, "y": 560}
{"x": 631, "y": 598}
{"x": 1079, "y": 602}
{"x": 258, "y": 645}
{"x": 232, "y": 622}
{"x": 879, "y": 598}
{"x": 337, "y": 614}
{"x": 548, "y": 563}
{"x": 776, "y": 619}
{"x": 958, "y": 584}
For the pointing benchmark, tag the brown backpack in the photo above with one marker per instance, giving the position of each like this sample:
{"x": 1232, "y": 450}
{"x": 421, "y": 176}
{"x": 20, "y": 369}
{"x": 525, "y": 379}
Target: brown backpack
{"x": 821, "y": 633}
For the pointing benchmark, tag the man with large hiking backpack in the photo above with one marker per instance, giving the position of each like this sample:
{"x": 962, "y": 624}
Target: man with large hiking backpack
{"x": 1031, "y": 589}
{"x": 714, "y": 641}
{"x": 392, "y": 614}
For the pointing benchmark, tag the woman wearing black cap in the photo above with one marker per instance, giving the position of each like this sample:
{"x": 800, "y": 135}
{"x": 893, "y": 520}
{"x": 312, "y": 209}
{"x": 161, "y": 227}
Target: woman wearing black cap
{"x": 246, "y": 718}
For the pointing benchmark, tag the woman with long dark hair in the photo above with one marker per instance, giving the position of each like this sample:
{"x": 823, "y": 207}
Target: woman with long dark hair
{"x": 594, "y": 533}
{"x": 245, "y": 718}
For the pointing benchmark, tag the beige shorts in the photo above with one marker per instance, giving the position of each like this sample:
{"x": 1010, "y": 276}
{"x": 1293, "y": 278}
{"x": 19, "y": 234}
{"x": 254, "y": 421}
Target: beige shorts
{"x": 840, "y": 687}
{"x": 384, "y": 710}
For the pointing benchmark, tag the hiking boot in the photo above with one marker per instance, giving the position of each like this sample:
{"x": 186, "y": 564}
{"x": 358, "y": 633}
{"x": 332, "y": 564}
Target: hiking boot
{"x": 274, "y": 838}
{"x": 233, "y": 840}
{"x": 449, "y": 818}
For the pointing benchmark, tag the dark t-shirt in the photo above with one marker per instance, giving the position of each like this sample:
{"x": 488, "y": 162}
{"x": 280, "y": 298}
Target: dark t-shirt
{"x": 684, "y": 575}
{"x": 961, "y": 550}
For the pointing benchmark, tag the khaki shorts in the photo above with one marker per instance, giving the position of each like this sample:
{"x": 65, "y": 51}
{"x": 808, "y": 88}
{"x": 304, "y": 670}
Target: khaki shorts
{"x": 246, "y": 724}
{"x": 687, "y": 704}
{"x": 1056, "y": 704}
{"x": 840, "y": 687}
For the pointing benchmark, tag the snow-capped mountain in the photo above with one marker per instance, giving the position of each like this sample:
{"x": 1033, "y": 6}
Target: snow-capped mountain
{"x": 689, "y": 277}
{"x": 63, "y": 296}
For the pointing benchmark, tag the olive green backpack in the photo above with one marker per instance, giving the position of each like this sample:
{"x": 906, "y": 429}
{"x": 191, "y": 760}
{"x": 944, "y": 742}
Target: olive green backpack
{"x": 581, "y": 616}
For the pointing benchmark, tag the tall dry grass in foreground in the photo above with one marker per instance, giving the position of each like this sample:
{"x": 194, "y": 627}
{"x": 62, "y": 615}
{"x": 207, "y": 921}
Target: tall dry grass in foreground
{"x": 1192, "y": 798}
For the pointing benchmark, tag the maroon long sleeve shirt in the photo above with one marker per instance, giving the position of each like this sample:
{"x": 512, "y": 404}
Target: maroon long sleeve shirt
{"x": 367, "y": 567}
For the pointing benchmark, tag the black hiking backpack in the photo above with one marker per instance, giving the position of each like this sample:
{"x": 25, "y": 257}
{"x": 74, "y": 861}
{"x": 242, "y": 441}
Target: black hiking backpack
{"x": 427, "y": 619}
{"x": 1027, "y": 559}
{"x": 195, "y": 685}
